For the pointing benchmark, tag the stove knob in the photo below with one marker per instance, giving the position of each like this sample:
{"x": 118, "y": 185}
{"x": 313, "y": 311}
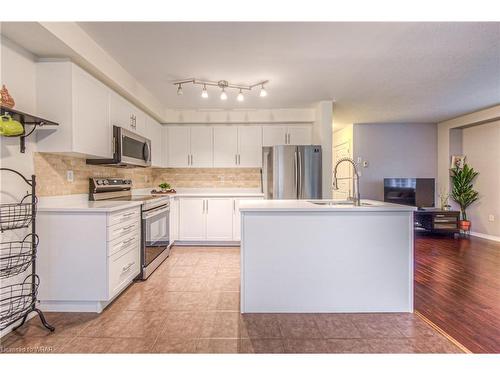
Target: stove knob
{"x": 105, "y": 182}
{"x": 98, "y": 182}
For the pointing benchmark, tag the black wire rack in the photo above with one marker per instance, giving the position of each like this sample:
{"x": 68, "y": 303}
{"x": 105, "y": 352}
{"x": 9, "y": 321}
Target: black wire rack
{"x": 17, "y": 256}
{"x": 18, "y": 300}
{"x": 17, "y": 215}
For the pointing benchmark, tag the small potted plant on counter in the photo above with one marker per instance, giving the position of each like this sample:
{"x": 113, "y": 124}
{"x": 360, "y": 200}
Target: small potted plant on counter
{"x": 463, "y": 192}
{"x": 164, "y": 187}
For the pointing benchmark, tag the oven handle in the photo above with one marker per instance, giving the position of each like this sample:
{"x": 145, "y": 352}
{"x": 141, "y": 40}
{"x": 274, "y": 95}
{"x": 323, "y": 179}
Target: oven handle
{"x": 156, "y": 211}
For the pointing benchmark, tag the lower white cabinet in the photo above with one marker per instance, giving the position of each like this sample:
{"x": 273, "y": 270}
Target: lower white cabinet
{"x": 84, "y": 270}
{"x": 206, "y": 219}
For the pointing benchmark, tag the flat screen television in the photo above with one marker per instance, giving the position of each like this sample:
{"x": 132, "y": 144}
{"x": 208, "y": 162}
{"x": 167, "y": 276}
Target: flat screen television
{"x": 418, "y": 192}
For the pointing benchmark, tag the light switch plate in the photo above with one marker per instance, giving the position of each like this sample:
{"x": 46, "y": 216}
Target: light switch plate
{"x": 70, "y": 177}
{"x": 491, "y": 217}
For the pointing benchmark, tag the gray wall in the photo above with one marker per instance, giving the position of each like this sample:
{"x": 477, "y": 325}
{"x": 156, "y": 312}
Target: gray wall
{"x": 482, "y": 151}
{"x": 394, "y": 150}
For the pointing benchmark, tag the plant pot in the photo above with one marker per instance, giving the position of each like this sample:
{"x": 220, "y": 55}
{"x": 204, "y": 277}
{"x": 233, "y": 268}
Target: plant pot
{"x": 464, "y": 225}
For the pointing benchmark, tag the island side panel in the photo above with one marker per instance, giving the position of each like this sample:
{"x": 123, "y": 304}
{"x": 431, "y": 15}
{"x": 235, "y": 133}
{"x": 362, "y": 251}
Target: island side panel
{"x": 327, "y": 261}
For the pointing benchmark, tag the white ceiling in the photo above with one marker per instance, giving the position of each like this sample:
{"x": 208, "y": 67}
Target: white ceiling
{"x": 375, "y": 72}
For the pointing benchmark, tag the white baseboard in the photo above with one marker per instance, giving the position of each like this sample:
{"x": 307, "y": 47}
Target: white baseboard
{"x": 485, "y": 236}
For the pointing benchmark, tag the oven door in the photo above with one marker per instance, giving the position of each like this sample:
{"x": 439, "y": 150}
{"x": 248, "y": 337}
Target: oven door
{"x": 156, "y": 237}
{"x": 134, "y": 149}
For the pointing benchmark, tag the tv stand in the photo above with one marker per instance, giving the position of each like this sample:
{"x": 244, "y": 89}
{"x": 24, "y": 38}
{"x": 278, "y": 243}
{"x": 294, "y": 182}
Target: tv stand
{"x": 437, "y": 221}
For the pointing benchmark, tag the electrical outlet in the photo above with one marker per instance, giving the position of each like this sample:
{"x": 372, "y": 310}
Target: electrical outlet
{"x": 70, "y": 177}
{"x": 491, "y": 217}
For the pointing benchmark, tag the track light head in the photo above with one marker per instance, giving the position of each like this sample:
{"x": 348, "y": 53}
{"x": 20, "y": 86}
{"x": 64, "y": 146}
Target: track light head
{"x": 204, "y": 92}
{"x": 240, "y": 96}
{"x": 223, "y": 95}
{"x": 263, "y": 92}
{"x": 179, "y": 89}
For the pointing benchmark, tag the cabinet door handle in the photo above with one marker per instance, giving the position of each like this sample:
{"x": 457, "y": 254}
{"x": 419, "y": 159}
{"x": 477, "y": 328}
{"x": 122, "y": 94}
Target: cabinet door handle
{"x": 234, "y": 206}
{"x": 239, "y": 159}
{"x": 203, "y": 205}
{"x": 236, "y": 159}
{"x": 189, "y": 160}
{"x": 286, "y": 138}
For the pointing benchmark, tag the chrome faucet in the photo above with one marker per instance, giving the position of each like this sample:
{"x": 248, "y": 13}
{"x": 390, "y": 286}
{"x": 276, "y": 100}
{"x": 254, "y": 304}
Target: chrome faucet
{"x": 355, "y": 180}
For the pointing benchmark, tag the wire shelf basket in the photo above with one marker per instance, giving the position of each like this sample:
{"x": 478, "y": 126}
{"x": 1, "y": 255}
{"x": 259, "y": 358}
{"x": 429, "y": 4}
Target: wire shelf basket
{"x": 17, "y": 256}
{"x": 17, "y": 215}
{"x": 17, "y": 300}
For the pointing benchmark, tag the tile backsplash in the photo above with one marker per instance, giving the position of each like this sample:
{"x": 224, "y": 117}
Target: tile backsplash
{"x": 51, "y": 170}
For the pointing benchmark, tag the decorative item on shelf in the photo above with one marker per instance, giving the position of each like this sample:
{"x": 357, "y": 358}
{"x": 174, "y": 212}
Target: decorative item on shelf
{"x": 5, "y": 99}
{"x": 10, "y": 127}
{"x": 223, "y": 85}
{"x": 463, "y": 192}
{"x": 443, "y": 198}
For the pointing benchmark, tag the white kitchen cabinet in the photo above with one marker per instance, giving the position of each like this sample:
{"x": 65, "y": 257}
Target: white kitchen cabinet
{"x": 201, "y": 146}
{"x": 192, "y": 219}
{"x": 250, "y": 146}
{"x": 274, "y": 135}
{"x": 178, "y": 147}
{"x": 299, "y": 135}
{"x": 287, "y": 135}
{"x": 96, "y": 268}
{"x": 155, "y": 134}
{"x": 125, "y": 115}
{"x": 219, "y": 219}
{"x": 174, "y": 220}
{"x": 79, "y": 103}
{"x": 225, "y": 146}
{"x": 190, "y": 146}
{"x": 237, "y": 146}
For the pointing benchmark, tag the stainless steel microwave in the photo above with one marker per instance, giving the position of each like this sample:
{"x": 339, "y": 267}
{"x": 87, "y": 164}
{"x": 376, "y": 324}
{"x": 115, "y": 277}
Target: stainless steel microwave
{"x": 129, "y": 150}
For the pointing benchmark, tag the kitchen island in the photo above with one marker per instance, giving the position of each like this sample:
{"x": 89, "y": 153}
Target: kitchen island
{"x": 326, "y": 256}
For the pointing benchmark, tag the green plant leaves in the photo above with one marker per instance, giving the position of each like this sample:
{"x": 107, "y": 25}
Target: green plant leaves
{"x": 463, "y": 192}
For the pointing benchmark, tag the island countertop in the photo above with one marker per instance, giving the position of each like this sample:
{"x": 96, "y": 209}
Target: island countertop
{"x": 294, "y": 205}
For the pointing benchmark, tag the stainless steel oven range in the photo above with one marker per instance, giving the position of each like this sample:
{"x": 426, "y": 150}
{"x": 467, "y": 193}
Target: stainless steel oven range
{"x": 155, "y": 219}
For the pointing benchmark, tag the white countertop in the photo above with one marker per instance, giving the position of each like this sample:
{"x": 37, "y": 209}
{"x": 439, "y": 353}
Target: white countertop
{"x": 80, "y": 203}
{"x": 211, "y": 192}
{"x": 274, "y": 205}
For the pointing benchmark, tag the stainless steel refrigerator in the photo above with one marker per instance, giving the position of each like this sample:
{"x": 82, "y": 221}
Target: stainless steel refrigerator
{"x": 291, "y": 172}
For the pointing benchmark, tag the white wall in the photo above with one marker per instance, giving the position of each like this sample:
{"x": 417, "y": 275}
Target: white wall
{"x": 481, "y": 145}
{"x": 18, "y": 74}
{"x": 323, "y": 135}
{"x": 394, "y": 150}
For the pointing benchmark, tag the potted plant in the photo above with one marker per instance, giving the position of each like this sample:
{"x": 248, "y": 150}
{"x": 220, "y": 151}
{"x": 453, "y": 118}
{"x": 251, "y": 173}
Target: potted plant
{"x": 164, "y": 187}
{"x": 463, "y": 192}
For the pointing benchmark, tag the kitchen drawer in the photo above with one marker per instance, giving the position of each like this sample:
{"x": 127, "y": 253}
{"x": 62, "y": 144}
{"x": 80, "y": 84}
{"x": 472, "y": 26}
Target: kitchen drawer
{"x": 127, "y": 241}
{"x": 124, "y": 266}
{"x": 123, "y": 216}
{"x": 127, "y": 227}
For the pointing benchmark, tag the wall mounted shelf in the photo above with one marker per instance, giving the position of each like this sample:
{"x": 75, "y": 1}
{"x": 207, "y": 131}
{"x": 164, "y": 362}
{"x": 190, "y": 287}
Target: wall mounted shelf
{"x": 26, "y": 119}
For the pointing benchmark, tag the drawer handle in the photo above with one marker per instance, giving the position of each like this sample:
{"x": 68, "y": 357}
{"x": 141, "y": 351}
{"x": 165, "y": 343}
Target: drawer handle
{"x": 127, "y": 228}
{"x": 127, "y": 267}
{"x": 128, "y": 241}
{"x": 129, "y": 214}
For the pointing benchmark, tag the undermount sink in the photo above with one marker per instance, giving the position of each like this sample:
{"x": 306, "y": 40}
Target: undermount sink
{"x": 339, "y": 203}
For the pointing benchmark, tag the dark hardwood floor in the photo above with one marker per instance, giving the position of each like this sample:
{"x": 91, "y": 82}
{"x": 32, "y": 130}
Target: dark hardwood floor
{"x": 457, "y": 287}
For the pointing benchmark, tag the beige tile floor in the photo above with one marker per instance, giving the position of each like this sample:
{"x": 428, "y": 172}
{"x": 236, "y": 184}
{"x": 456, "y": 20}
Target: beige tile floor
{"x": 191, "y": 305}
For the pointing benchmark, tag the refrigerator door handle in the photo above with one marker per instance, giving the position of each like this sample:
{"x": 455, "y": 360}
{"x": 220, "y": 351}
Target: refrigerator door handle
{"x": 296, "y": 174}
{"x": 299, "y": 189}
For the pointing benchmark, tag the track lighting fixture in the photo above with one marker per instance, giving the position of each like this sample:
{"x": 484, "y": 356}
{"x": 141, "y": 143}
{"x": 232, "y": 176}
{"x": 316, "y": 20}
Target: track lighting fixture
{"x": 204, "y": 93}
{"x": 223, "y": 85}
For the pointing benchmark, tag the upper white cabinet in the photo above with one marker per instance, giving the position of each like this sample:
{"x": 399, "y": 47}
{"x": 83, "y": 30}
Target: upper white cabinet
{"x": 126, "y": 115}
{"x": 190, "y": 146}
{"x": 237, "y": 146}
{"x": 154, "y": 131}
{"x": 287, "y": 135}
{"x": 79, "y": 103}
